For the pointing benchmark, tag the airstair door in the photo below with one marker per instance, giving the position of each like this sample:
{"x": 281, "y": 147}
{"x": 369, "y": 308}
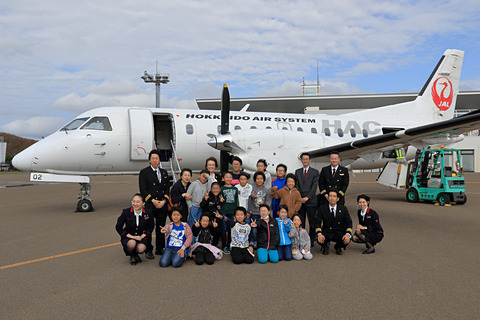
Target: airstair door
{"x": 141, "y": 133}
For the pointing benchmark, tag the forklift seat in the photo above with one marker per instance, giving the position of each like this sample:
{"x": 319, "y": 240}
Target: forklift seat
{"x": 447, "y": 171}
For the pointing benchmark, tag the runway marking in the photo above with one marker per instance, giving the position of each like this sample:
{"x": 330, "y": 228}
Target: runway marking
{"x": 58, "y": 256}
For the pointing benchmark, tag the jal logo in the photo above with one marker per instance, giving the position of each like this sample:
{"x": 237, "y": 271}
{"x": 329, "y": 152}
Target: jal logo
{"x": 442, "y": 93}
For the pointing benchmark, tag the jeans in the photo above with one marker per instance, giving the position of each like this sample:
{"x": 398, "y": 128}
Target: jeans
{"x": 195, "y": 214}
{"x": 170, "y": 256}
{"x": 255, "y": 217}
{"x": 285, "y": 252}
{"x": 264, "y": 255}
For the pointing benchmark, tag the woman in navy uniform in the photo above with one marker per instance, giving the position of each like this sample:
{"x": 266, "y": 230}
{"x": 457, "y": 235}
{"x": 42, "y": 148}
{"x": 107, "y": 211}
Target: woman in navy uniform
{"x": 369, "y": 230}
{"x": 135, "y": 226}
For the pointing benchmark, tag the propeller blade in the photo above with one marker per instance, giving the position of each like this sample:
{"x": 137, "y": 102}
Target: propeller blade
{"x": 224, "y": 126}
{"x": 225, "y": 110}
{"x": 224, "y": 160}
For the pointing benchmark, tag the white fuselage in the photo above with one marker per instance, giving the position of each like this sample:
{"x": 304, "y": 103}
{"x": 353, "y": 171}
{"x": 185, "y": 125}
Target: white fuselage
{"x": 135, "y": 131}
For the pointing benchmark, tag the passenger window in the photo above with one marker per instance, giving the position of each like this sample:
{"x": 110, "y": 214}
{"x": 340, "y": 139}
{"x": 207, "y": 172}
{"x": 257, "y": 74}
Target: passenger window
{"x": 300, "y": 129}
{"x": 253, "y": 127}
{"x": 284, "y": 128}
{"x": 365, "y": 133}
{"x": 74, "y": 124}
{"x": 268, "y": 128}
{"x": 238, "y": 128}
{"x": 353, "y": 133}
{"x": 189, "y": 128}
{"x": 98, "y": 123}
{"x": 340, "y": 133}
{"x": 327, "y": 132}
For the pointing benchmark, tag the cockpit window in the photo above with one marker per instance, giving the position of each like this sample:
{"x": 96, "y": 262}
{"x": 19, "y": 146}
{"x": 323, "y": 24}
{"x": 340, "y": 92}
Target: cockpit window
{"x": 98, "y": 123}
{"x": 74, "y": 124}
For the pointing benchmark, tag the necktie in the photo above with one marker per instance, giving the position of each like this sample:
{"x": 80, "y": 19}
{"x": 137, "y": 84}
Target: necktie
{"x": 159, "y": 177}
{"x": 333, "y": 213}
{"x": 304, "y": 173}
{"x": 333, "y": 173}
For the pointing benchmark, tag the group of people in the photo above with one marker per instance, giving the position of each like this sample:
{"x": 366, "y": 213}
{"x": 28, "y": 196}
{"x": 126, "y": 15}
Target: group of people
{"x": 245, "y": 213}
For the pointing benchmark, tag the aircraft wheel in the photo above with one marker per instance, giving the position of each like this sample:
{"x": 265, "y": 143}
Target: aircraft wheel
{"x": 84, "y": 205}
{"x": 412, "y": 195}
{"x": 443, "y": 198}
{"x": 462, "y": 201}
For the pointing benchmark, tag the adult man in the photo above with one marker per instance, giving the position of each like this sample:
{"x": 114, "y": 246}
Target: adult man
{"x": 333, "y": 223}
{"x": 333, "y": 177}
{"x": 154, "y": 187}
{"x": 279, "y": 182}
{"x": 307, "y": 179}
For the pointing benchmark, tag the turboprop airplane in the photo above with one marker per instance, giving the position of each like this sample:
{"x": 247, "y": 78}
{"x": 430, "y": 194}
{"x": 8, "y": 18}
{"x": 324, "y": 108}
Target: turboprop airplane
{"x": 117, "y": 140}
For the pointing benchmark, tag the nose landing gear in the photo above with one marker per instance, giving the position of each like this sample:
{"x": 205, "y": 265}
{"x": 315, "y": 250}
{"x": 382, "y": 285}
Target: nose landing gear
{"x": 84, "y": 204}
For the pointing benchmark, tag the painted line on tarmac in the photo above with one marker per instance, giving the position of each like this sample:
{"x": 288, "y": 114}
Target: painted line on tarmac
{"x": 58, "y": 256}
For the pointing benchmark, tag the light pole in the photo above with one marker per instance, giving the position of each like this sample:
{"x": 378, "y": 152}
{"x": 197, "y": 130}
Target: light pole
{"x": 157, "y": 79}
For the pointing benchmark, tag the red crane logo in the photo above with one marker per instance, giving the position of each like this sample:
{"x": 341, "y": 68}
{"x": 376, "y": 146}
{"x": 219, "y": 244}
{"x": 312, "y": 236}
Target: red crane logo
{"x": 442, "y": 101}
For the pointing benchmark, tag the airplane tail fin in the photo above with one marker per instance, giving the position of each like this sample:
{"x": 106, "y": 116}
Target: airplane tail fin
{"x": 435, "y": 102}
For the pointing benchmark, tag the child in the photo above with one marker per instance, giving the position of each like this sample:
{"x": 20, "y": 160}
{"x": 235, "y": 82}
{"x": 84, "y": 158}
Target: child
{"x": 203, "y": 231}
{"x": 241, "y": 245}
{"x": 230, "y": 194}
{"x": 197, "y": 190}
{"x": 260, "y": 195}
{"x": 285, "y": 247}
{"x": 211, "y": 204}
{"x": 179, "y": 238}
{"x": 279, "y": 182}
{"x": 262, "y": 167}
{"x": 244, "y": 192}
{"x": 268, "y": 237}
{"x": 289, "y": 195}
{"x": 300, "y": 240}
{"x": 236, "y": 170}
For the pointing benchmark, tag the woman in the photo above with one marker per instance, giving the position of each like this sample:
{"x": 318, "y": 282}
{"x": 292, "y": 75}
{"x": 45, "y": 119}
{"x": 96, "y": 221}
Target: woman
{"x": 179, "y": 195}
{"x": 369, "y": 231}
{"x": 135, "y": 226}
{"x": 211, "y": 165}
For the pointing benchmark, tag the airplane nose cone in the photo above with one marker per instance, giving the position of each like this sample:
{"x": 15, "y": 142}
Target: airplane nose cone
{"x": 23, "y": 160}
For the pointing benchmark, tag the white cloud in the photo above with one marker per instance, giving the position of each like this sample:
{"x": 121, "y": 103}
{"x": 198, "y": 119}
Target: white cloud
{"x": 35, "y": 127}
{"x": 470, "y": 85}
{"x": 69, "y": 56}
{"x": 118, "y": 94}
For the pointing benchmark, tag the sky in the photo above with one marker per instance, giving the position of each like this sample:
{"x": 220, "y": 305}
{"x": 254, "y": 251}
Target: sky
{"x": 61, "y": 58}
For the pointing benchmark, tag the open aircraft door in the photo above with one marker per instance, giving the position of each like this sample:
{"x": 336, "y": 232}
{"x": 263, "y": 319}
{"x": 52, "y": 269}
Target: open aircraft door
{"x": 141, "y": 133}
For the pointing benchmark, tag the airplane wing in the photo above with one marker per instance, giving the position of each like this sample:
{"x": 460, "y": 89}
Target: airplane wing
{"x": 411, "y": 136}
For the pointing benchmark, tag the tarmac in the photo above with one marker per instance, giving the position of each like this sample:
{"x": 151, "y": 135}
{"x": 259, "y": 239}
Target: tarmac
{"x": 58, "y": 264}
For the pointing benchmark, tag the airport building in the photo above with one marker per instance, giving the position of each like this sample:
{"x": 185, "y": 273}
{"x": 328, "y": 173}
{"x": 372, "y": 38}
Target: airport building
{"x": 312, "y": 102}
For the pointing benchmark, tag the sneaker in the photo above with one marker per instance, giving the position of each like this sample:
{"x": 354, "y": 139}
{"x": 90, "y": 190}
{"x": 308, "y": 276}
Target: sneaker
{"x": 226, "y": 250}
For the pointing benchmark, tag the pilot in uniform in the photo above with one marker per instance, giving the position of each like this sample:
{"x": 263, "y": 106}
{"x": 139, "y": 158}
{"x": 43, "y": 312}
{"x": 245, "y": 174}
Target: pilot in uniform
{"x": 333, "y": 177}
{"x": 154, "y": 187}
{"x": 333, "y": 222}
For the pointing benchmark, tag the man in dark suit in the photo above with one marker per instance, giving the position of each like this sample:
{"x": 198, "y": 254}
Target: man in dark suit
{"x": 333, "y": 177}
{"x": 307, "y": 180}
{"x": 154, "y": 187}
{"x": 333, "y": 223}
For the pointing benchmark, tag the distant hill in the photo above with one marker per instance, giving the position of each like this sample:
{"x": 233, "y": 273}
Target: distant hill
{"x": 15, "y": 144}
